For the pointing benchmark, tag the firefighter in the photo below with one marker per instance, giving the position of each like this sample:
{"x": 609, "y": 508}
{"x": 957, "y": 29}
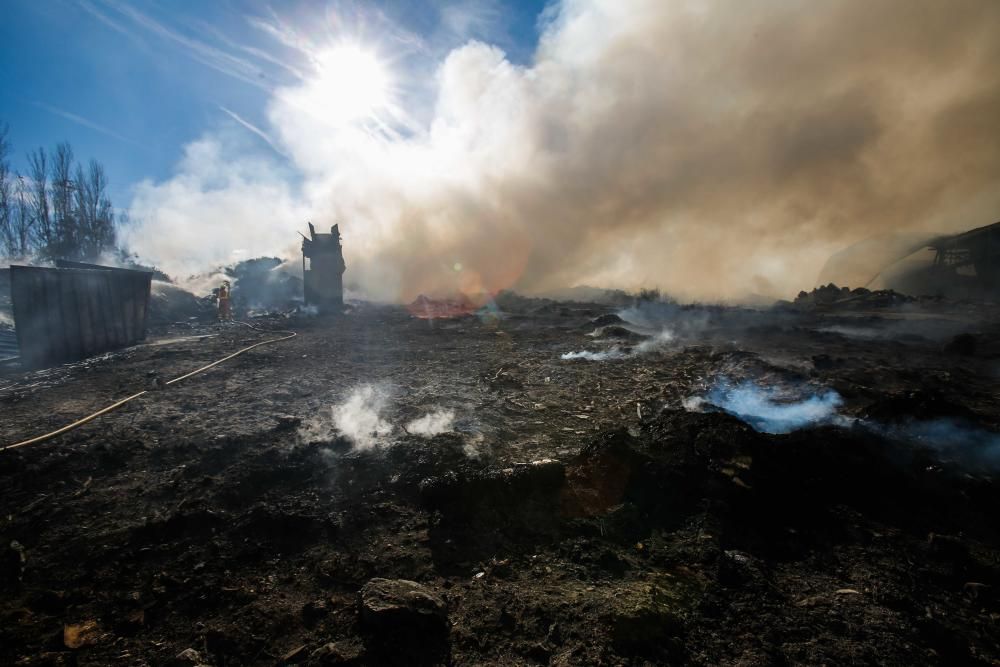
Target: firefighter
{"x": 225, "y": 310}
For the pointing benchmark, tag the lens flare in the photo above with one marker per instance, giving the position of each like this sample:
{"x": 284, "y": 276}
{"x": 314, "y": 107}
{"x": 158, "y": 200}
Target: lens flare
{"x": 350, "y": 84}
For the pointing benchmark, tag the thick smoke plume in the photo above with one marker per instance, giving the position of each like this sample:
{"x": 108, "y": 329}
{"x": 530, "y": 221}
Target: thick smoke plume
{"x": 713, "y": 149}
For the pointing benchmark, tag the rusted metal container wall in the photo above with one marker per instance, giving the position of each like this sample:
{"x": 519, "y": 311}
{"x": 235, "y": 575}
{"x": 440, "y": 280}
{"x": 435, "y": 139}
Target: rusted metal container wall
{"x": 8, "y": 340}
{"x": 65, "y": 314}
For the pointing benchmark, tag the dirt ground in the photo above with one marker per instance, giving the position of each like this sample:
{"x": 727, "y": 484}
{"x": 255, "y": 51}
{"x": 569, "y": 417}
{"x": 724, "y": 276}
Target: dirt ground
{"x": 574, "y": 512}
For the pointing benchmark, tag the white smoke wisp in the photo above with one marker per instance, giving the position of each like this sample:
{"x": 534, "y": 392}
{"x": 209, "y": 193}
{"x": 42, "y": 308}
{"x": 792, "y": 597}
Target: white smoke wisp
{"x": 694, "y": 403}
{"x": 650, "y": 314}
{"x": 952, "y": 439}
{"x": 203, "y": 284}
{"x": 769, "y": 409}
{"x": 588, "y": 355}
{"x": 472, "y": 445}
{"x": 782, "y": 410}
{"x": 308, "y": 310}
{"x": 359, "y": 417}
{"x": 660, "y": 341}
{"x": 657, "y": 316}
{"x": 433, "y": 423}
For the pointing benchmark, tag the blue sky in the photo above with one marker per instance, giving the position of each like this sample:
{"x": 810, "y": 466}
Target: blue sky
{"x": 131, "y": 82}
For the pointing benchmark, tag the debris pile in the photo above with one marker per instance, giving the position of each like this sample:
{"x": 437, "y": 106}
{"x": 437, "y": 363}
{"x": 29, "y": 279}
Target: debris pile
{"x": 169, "y": 303}
{"x": 261, "y": 284}
{"x": 513, "y": 507}
{"x": 844, "y": 297}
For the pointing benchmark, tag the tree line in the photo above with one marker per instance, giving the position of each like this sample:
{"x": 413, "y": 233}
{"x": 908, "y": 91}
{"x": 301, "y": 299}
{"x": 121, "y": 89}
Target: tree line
{"x": 58, "y": 209}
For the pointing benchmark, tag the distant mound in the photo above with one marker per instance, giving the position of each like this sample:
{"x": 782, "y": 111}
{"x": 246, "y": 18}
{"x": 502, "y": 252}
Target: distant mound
{"x": 169, "y": 303}
{"x": 587, "y": 294}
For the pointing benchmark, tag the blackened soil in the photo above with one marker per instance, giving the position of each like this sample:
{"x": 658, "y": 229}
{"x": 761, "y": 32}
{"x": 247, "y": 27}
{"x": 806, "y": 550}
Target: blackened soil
{"x": 575, "y": 513}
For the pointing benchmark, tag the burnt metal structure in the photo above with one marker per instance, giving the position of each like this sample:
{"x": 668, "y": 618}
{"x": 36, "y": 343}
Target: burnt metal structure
{"x": 972, "y": 253}
{"x": 958, "y": 266}
{"x": 77, "y": 310}
{"x": 323, "y": 270}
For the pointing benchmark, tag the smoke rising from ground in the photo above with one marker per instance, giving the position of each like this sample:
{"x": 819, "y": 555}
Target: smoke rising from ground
{"x": 433, "y": 423}
{"x": 362, "y": 418}
{"x": 359, "y": 417}
{"x": 768, "y": 409}
{"x": 655, "y": 343}
{"x": 590, "y": 355}
{"x": 951, "y": 439}
{"x": 714, "y": 150}
{"x": 663, "y": 323}
{"x": 786, "y": 409}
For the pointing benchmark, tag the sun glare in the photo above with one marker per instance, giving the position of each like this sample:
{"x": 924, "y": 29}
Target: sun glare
{"x": 351, "y": 84}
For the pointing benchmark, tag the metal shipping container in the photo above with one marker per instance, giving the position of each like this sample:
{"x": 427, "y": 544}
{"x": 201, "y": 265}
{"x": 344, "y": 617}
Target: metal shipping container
{"x": 64, "y": 314}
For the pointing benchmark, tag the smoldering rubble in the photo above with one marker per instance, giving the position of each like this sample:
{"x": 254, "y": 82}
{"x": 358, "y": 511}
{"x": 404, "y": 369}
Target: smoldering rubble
{"x": 762, "y": 485}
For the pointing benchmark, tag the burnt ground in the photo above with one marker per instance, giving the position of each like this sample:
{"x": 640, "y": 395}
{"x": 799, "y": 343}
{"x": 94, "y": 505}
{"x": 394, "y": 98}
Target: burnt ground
{"x": 575, "y": 513}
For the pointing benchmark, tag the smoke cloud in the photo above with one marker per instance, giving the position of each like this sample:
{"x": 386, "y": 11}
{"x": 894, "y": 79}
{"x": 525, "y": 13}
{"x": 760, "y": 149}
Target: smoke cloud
{"x": 714, "y": 150}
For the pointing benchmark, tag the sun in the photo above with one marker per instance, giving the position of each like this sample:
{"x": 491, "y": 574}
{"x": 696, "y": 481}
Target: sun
{"x": 350, "y": 84}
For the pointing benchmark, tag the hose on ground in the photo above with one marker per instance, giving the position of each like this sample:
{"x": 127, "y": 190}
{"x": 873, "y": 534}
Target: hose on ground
{"x": 114, "y": 406}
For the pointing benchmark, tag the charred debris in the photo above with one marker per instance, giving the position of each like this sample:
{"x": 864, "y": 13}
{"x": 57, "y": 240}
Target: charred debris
{"x": 620, "y": 480}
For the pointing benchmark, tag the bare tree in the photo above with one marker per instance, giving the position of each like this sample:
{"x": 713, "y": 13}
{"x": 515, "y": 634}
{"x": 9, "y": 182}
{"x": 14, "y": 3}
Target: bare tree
{"x": 6, "y": 192}
{"x": 41, "y": 213}
{"x": 63, "y": 215}
{"x": 60, "y": 209}
{"x": 95, "y": 228}
{"x": 22, "y": 221}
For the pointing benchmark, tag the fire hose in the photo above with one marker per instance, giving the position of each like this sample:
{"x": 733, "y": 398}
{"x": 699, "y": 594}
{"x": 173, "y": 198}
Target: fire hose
{"x": 114, "y": 406}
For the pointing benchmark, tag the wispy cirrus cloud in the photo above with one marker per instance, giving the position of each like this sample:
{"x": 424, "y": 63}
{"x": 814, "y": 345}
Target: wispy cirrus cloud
{"x": 107, "y": 20}
{"x": 474, "y": 19}
{"x": 129, "y": 21}
{"x": 277, "y": 30}
{"x": 249, "y": 50}
{"x": 254, "y": 129}
{"x": 85, "y": 122}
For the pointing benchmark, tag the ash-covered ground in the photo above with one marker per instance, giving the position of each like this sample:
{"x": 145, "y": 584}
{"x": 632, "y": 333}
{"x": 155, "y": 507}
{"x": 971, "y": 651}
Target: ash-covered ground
{"x": 566, "y": 484}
